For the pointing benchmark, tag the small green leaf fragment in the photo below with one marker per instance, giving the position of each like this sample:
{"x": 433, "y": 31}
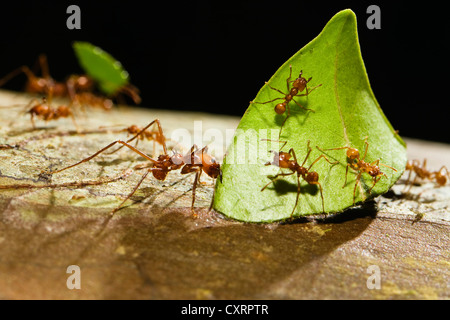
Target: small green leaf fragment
{"x": 101, "y": 66}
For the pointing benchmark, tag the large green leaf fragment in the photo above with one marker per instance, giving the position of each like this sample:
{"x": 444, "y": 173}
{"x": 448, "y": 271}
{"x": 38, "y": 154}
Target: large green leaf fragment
{"x": 101, "y": 66}
{"x": 345, "y": 113}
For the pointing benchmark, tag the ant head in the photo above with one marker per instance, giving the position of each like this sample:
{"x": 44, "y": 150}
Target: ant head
{"x": 300, "y": 83}
{"x": 441, "y": 179}
{"x": 409, "y": 165}
{"x": 280, "y": 159}
{"x": 133, "y": 129}
{"x": 41, "y": 108}
{"x": 163, "y": 157}
{"x": 83, "y": 82}
{"x": 352, "y": 153}
{"x": 280, "y": 108}
{"x": 213, "y": 170}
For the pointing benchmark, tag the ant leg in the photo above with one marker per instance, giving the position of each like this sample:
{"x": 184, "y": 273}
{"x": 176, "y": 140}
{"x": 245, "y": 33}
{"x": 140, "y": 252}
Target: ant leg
{"x": 132, "y": 192}
{"x": 292, "y": 152}
{"x": 408, "y": 180}
{"x": 278, "y": 90}
{"x": 424, "y": 163}
{"x": 346, "y": 174}
{"x": 43, "y": 63}
{"x": 132, "y": 92}
{"x": 322, "y": 156}
{"x": 198, "y": 172}
{"x": 366, "y": 147}
{"x": 143, "y": 130}
{"x": 74, "y": 122}
{"x": 444, "y": 168}
{"x": 307, "y": 154}
{"x": 106, "y": 148}
{"x": 358, "y": 180}
{"x": 267, "y": 101}
{"x": 194, "y": 187}
{"x": 375, "y": 180}
{"x": 297, "y": 197}
{"x": 212, "y": 199}
{"x": 308, "y": 91}
{"x": 158, "y": 123}
{"x": 289, "y": 78}
{"x": 285, "y": 119}
{"x": 32, "y": 121}
{"x": 321, "y": 194}
{"x": 24, "y": 69}
{"x": 384, "y": 165}
{"x": 340, "y": 148}
{"x": 285, "y": 142}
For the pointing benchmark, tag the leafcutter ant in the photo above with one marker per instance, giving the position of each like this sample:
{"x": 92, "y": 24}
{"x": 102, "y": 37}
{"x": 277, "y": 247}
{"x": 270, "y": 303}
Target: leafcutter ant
{"x": 298, "y": 85}
{"x": 359, "y": 164}
{"x": 35, "y": 84}
{"x": 421, "y": 172}
{"x": 284, "y": 161}
{"x": 43, "y": 110}
{"x": 194, "y": 161}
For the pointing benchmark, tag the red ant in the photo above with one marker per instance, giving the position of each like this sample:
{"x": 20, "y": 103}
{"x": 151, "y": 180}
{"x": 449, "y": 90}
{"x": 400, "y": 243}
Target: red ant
{"x": 298, "y": 85}
{"x": 195, "y": 161}
{"x": 77, "y": 87}
{"x": 35, "y": 84}
{"x": 358, "y": 164}
{"x": 46, "y": 112}
{"x": 143, "y": 134}
{"x": 284, "y": 161}
{"x": 423, "y": 173}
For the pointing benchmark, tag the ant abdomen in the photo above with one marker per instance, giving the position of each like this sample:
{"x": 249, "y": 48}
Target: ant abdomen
{"x": 312, "y": 176}
{"x": 280, "y": 108}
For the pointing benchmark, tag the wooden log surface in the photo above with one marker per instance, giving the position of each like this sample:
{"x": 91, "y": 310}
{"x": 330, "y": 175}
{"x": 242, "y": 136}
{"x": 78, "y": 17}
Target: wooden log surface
{"x": 155, "y": 249}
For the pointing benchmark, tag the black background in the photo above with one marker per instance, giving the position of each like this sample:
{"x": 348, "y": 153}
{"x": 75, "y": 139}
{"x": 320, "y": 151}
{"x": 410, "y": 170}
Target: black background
{"x": 214, "y": 56}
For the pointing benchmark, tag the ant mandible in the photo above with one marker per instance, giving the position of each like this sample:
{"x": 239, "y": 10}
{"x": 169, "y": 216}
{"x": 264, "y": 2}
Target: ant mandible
{"x": 298, "y": 85}
{"x": 284, "y": 161}
{"x": 423, "y": 173}
{"x": 361, "y": 166}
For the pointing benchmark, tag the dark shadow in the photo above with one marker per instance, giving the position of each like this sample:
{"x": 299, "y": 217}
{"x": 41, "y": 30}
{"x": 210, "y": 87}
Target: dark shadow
{"x": 231, "y": 260}
{"x": 283, "y": 187}
{"x": 169, "y": 254}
